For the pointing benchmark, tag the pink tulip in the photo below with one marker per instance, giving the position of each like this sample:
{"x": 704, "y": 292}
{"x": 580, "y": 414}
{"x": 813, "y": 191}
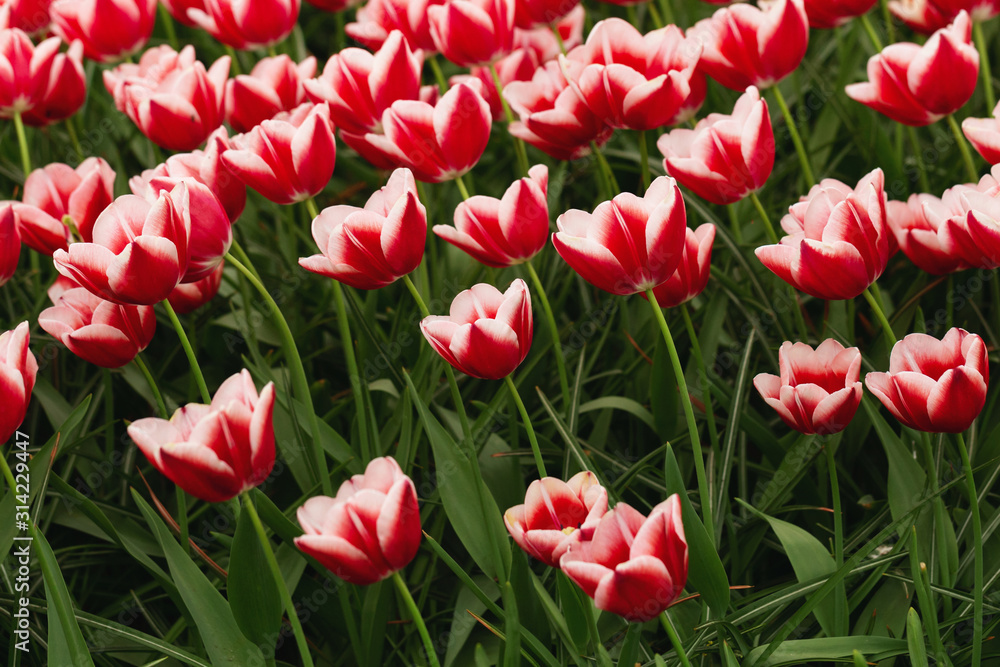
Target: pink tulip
{"x": 211, "y": 233}
{"x": 372, "y": 247}
{"x": 247, "y": 24}
{"x": 66, "y": 90}
{"x": 473, "y": 32}
{"x": 935, "y": 385}
{"x": 919, "y": 85}
{"x": 31, "y": 16}
{"x": 837, "y": 243}
{"x": 541, "y": 13}
{"x": 926, "y": 16}
{"x": 378, "y": 18}
{"x": 502, "y": 232}
{"x": 273, "y": 85}
{"x": 57, "y": 191}
{"x": 189, "y": 297}
{"x": 18, "y": 369}
{"x": 556, "y": 514}
{"x": 214, "y": 452}
{"x": 629, "y": 244}
{"x": 984, "y": 135}
{"x": 10, "y": 243}
{"x": 289, "y": 158}
{"x": 369, "y": 530}
{"x": 834, "y": 13}
{"x": 725, "y": 157}
{"x": 634, "y": 566}
{"x": 486, "y": 334}
{"x": 691, "y": 276}
{"x": 920, "y": 226}
{"x": 818, "y": 390}
{"x": 179, "y": 9}
{"x": 746, "y": 46}
{"x": 24, "y": 71}
{"x": 109, "y": 29}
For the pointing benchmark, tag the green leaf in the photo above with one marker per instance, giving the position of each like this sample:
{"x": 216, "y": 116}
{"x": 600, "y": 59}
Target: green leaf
{"x": 512, "y": 628}
{"x": 630, "y": 646}
{"x": 622, "y": 403}
{"x": 810, "y": 651}
{"x": 859, "y": 659}
{"x": 65, "y": 630}
{"x": 253, "y": 595}
{"x": 915, "y": 639}
{"x": 224, "y": 642}
{"x": 906, "y": 476}
{"x": 572, "y": 610}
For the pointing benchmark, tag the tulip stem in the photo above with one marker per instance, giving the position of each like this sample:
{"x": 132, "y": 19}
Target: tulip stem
{"x": 654, "y": 14}
{"x": 279, "y": 581}
{"x": 463, "y": 190}
{"x": 977, "y": 546}
{"x": 199, "y": 378}
{"x": 793, "y": 130}
{"x": 870, "y": 29}
{"x": 984, "y": 63}
{"x": 609, "y": 175}
{"x": 22, "y": 141}
{"x": 706, "y": 392}
{"x": 519, "y": 149}
{"x": 963, "y": 147}
{"x": 168, "y": 27}
{"x": 296, "y": 369}
{"x": 7, "y": 474}
{"x": 554, "y": 27}
{"x": 438, "y": 74}
{"x": 644, "y": 155}
{"x": 539, "y": 463}
{"x": 550, "y": 320}
{"x": 890, "y": 31}
{"x": 880, "y": 314}
{"x": 74, "y": 139}
{"x": 675, "y": 639}
{"x": 417, "y": 617}
{"x": 182, "y": 518}
{"x": 772, "y": 236}
{"x": 704, "y": 492}
{"x": 144, "y": 369}
{"x": 344, "y": 325}
{"x": 231, "y": 52}
{"x": 925, "y": 185}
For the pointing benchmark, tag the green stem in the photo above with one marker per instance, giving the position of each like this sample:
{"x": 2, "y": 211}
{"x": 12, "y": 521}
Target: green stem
{"x": 667, "y": 12}
{"x": 609, "y": 176}
{"x": 22, "y": 142}
{"x": 231, "y": 52}
{"x": 984, "y": 63}
{"x": 347, "y": 342}
{"x": 870, "y": 29}
{"x": 460, "y": 182}
{"x": 144, "y": 369}
{"x": 519, "y": 149}
{"x": 199, "y": 378}
{"x": 418, "y": 619}
{"x": 704, "y": 493}
{"x": 890, "y": 30}
{"x": 279, "y": 581}
{"x": 706, "y": 392}
{"x": 796, "y": 137}
{"x": 168, "y": 27}
{"x": 7, "y": 474}
{"x": 550, "y": 320}
{"x": 644, "y": 155}
{"x": 977, "y": 546}
{"x": 654, "y": 14}
{"x": 880, "y": 314}
{"x": 559, "y": 40}
{"x": 297, "y": 370}
{"x": 539, "y": 463}
{"x": 838, "y": 526}
{"x": 74, "y": 139}
{"x": 963, "y": 146}
{"x": 438, "y": 74}
{"x": 772, "y": 236}
{"x": 675, "y": 639}
{"x": 272, "y": 52}
{"x": 918, "y": 155}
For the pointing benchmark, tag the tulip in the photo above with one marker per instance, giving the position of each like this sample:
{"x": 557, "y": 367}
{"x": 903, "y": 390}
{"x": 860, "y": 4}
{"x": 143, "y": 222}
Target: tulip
{"x": 211, "y": 233}
{"x": 24, "y": 71}
{"x": 975, "y": 236}
{"x": 377, "y": 19}
{"x": 634, "y": 566}
{"x": 106, "y": 334}
{"x": 926, "y": 16}
{"x": 10, "y": 243}
{"x": 503, "y": 232}
{"x": 66, "y": 90}
{"x": 938, "y": 386}
{"x": 372, "y": 247}
{"x": 691, "y": 276}
{"x": 556, "y": 514}
{"x": 31, "y": 16}
{"x": 170, "y": 96}
{"x": 834, "y": 13}
{"x": 725, "y": 157}
{"x": 629, "y": 244}
{"x": 541, "y": 13}
{"x": 921, "y": 227}
{"x": 837, "y": 243}
{"x": 247, "y": 24}
{"x": 203, "y": 166}
{"x": 57, "y": 191}
{"x": 273, "y": 85}
{"x": 818, "y": 390}
{"x": 369, "y": 530}
{"x": 745, "y": 46}
{"x": 179, "y": 9}
{"x": 473, "y": 32}
{"x": 919, "y": 85}
{"x": 214, "y": 452}
{"x": 984, "y": 135}
{"x": 110, "y": 30}
{"x": 486, "y": 334}
{"x": 437, "y": 142}
{"x": 138, "y": 254}
{"x": 289, "y": 158}
{"x": 553, "y": 118}
{"x": 17, "y": 378}
{"x": 631, "y": 80}
{"x": 189, "y": 297}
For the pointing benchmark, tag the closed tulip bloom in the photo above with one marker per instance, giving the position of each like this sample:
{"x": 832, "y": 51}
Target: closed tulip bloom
{"x": 214, "y": 452}
{"x": 179, "y": 9}
{"x": 746, "y": 46}
{"x": 818, "y": 390}
{"x": 189, "y": 297}
{"x": 65, "y": 92}
{"x": 273, "y": 85}
{"x": 105, "y": 334}
{"x": 204, "y": 166}
{"x": 369, "y": 530}
{"x": 975, "y": 236}
{"x": 541, "y": 13}
{"x": 378, "y": 18}
{"x": 984, "y": 135}
{"x": 556, "y": 514}
{"x": 472, "y": 32}
{"x": 211, "y": 233}
{"x": 725, "y": 157}
{"x": 110, "y": 30}
{"x": 919, "y": 85}
{"x": 926, "y": 16}
{"x": 58, "y": 190}
{"x": 371, "y": 247}
{"x": 31, "y": 16}
{"x": 938, "y": 386}
{"x": 24, "y": 71}
{"x": 629, "y": 244}
{"x": 837, "y": 243}
{"x": 170, "y": 96}
{"x": 691, "y": 276}
{"x": 920, "y": 227}
{"x": 486, "y": 334}
{"x": 138, "y": 254}
{"x": 834, "y": 13}
{"x": 287, "y": 159}
{"x": 502, "y": 232}
{"x": 247, "y": 24}
{"x": 634, "y": 566}
{"x": 437, "y": 142}
{"x": 10, "y": 243}
{"x": 18, "y": 369}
